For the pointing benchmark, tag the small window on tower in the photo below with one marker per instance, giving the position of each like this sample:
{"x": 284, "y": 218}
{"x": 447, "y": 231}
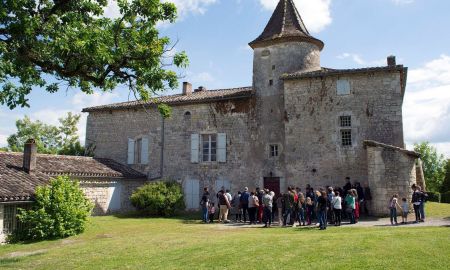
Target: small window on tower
{"x": 270, "y": 82}
{"x": 273, "y": 67}
{"x": 346, "y": 121}
{"x": 346, "y": 137}
{"x": 273, "y": 150}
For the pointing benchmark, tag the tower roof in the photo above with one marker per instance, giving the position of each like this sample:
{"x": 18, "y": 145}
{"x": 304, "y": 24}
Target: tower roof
{"x": 286, "y": 24}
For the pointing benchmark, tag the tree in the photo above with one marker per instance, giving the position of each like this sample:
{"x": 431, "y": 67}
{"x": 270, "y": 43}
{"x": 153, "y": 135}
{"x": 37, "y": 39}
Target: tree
{"x": 61, "y": 210}
{"x": 445, "y": 187}
{"x": 50, "y": 139}
{"x": 433, "y": 165}
{"x": 72, "y": 42}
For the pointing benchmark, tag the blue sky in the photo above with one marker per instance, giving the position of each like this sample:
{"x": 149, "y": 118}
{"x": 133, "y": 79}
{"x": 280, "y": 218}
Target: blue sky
{"x": 356, "y": 33}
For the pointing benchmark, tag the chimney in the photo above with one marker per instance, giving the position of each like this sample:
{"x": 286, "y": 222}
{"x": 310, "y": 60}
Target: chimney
{"x": 187, "y": 88}
{"x": 200, "y": 88}
{"x": 391, "y": 61}
{"x": 29, "y": 156}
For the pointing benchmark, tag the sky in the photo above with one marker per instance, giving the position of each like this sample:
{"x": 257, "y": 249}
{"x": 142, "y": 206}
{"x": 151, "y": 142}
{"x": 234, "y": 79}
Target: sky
{"x": 357, "y": 33}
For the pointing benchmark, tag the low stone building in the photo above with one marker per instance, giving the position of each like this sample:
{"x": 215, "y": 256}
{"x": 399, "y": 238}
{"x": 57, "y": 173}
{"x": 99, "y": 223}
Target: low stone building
{"x": 298, "y": 124}
{"x": 107, "y": 183}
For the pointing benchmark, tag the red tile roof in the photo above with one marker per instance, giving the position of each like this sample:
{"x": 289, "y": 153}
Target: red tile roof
{"x": 195, "y": 97}
{"x": 17, "y": 185}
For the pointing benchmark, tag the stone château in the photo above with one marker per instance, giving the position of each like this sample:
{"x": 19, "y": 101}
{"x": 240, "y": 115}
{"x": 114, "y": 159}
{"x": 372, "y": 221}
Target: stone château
{"x": 299, "y": 123}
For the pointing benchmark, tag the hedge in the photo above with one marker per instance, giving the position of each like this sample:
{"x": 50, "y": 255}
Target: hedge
{"x": 445, "y": 197}
{"x": 434, "y": 196}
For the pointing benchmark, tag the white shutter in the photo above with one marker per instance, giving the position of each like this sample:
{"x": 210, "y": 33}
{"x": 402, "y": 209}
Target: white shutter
{"x": 130, "y": 151}
{"x": 222, "y": 147}
{"x": 343, "y": 87}
{"x": 144, "y": 150}
{"x": 195, "y": 140}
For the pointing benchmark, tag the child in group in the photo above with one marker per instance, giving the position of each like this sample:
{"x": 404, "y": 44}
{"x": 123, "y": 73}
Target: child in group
{"x": 393, "y": 204}
{"x": 211, "y": 212}
{"x": 405, "y": 211}
{"x": 309, "y": 210}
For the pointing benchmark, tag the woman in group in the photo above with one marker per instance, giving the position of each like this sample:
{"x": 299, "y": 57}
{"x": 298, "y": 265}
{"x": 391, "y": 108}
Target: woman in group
{"x": 253, "y": 205}
{"x": 350, "y": 206}
{"x": 322, "y": 209}
{"x": 336, "y": 204}
{"x": 236, "y": 207}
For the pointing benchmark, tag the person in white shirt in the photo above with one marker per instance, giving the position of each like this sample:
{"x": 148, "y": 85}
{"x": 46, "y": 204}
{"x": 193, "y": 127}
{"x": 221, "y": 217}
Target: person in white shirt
{"x": 336, "y": 203}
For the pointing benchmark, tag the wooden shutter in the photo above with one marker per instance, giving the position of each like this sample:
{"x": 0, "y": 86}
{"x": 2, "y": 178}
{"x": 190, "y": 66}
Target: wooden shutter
{"x": 221, "y": 147}
{"x": 144, "y": 150}
{"x": 130, "y": 159}
{"x": 195, "y": 140}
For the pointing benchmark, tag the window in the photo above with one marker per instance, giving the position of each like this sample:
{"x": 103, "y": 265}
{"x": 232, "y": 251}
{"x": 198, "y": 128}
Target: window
{"x": 274, "y": 150}
{"x": 209, "y": 147}
{"x": 346, "y": 137}
{"x": 273, "y": 67}
{"x": 345, "y": 121}
{"x": 270, "y": 82}
{"x": 138, "y": 150}
{"x": 343, "y": 87}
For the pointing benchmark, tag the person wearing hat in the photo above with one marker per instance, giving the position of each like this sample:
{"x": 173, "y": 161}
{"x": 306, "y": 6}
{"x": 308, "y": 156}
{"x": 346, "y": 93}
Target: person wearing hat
{"x": 244, "y": 203}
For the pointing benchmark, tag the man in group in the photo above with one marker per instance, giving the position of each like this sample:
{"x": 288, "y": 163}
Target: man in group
{"x": 288, "y": 201}
{"x": 267, "y": 202}
{"x": 205, "y": 203}
{"x": 224, "y": 205}
{"x": 244, "y": 203}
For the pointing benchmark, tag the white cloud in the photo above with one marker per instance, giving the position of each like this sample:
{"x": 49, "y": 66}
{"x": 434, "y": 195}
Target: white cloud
{"x": 203, "y": 77}
{"x": 184, "y": 7}
{"x": 358, "y": 59}
{"x": 81, "y": 100}
{"x": 402, "y": 2}
{"x": 3, "y": 141}
{"x": 316, "y": 14}
{"x": 426, "y": 106}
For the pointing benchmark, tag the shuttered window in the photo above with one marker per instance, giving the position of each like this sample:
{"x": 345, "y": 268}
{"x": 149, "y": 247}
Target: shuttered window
{"x": 138, "y": 151}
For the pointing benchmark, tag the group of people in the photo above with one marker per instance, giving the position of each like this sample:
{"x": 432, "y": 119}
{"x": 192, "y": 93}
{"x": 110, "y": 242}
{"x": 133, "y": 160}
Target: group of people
{"x": 325, "y": 205}
{"x": 418, "y": 200}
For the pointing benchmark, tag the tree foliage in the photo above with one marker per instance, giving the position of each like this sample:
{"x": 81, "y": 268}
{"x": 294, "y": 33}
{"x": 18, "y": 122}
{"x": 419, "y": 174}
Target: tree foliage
{"x": 433, "y": 165}
{"x": 62, "y": 139}
{"x": 61, "y": 210}
{"x": 72, "y": 41}
{"x": 159, "y": 198}
{"x": 445, "y": 187}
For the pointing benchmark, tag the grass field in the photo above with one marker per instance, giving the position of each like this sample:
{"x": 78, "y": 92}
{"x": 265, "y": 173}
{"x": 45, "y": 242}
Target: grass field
{"x": 138, "y": 243}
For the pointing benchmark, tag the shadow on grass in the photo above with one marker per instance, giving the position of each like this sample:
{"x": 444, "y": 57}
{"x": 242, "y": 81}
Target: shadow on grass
{"x": 187, "y": 217}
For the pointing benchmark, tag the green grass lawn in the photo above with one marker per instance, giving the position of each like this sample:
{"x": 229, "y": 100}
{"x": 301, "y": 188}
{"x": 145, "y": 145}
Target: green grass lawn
{"x": 133, "y": 243}
{"x": 438, "y": 210}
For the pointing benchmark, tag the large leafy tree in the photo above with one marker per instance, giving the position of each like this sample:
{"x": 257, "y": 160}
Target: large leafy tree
{"x": 62, "y": 139}
{"x": 72, "y": 41}
{"x": 433, "y": 165}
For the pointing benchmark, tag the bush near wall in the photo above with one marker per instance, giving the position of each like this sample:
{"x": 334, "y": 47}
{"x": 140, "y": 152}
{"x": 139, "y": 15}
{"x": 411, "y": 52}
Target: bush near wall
{"x": 445, "y": 197}
{"x": 60, "y": 210}
{"x": 434, "y": 196}
{"x": 162, "y": 198}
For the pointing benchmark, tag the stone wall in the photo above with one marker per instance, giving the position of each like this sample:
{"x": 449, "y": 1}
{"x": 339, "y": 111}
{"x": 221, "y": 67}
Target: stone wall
{"x": 390, "y": 171}
{"x": 313, "y": 148}
{"x": 2, "y": 236}
{"x": 100, "y": 193}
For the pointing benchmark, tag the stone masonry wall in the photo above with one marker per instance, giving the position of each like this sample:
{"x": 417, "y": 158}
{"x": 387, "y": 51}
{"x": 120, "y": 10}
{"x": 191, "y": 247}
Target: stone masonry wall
{"x": 98, "y": 192}
{"x": 313, "y": 150}
{"x": 389, "y": 172}
{"x": 2, "y": 236}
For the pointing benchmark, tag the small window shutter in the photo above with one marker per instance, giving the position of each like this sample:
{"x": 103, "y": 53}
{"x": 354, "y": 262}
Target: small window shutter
{"x": 144, "y": 151}
{"x": 194, "y": 147}
{"x": 343, "y": 87}
{"x": 130, "y": 151}
{"x": 221, "y": 147}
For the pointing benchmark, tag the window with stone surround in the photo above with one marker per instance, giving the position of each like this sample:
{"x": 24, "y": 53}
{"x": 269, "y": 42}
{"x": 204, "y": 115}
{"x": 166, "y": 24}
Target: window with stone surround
{"x": 343, "y": 87}
{"x": 209, "y": 147}
{"x": 346, "y": 137}
{"x": 138, "y": 152}
{"x": 274, "y": 150}
{"x": 345, "y": 121}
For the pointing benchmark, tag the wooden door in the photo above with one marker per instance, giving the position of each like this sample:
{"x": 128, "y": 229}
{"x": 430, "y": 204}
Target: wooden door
{"x": 273, "y": 184}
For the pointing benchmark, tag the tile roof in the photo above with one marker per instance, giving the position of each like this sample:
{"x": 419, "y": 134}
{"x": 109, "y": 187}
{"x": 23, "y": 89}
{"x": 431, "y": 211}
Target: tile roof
{"x": 285, "y": 24}
{"x": 329, "y": 72}
{"x": 17, "y": 185}
{"x": 369, "y": 143}
{"x": 179, "y": 99}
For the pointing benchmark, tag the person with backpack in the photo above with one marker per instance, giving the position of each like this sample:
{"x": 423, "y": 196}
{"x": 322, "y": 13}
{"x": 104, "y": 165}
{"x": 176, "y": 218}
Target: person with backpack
{"x": 204, "y": 202}
{"x": 244, "y": 203}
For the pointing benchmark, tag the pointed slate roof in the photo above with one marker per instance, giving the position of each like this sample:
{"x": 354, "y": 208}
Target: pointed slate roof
{"x": 285, "y": 24}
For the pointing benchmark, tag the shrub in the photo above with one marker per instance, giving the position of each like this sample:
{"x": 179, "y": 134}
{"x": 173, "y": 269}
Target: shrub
{"x": 61, "y": 210}
{"x": 434, "y": 196}
{"x": 445, "y": 197}
{"x": 159, "y": 198}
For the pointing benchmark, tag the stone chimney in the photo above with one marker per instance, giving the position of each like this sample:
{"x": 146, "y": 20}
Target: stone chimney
{"x": 187, "y": 88}
{"x": 200, "y": 89}
{"x": 391, "y": 61}
{"x": 29, "y": 156}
